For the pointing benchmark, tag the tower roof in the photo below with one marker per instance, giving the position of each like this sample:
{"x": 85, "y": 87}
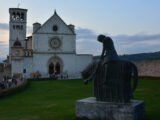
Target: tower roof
{"x": 17, "y": 9}
{"x": 55, "y": 11}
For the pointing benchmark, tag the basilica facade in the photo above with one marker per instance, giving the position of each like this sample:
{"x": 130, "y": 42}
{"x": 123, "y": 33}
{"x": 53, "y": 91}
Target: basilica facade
{"x": 50, "y": 49}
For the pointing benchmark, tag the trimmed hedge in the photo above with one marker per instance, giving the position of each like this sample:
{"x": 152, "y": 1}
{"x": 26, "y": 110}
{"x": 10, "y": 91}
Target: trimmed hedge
{"x": 15, "y": 89}
{"x": 42, "y": 79}
{"x": 148, "y": 77}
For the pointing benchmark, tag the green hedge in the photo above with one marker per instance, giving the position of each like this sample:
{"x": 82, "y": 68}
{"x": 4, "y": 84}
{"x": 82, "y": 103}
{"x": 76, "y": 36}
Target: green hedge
{"x": 148, "y": 77}
{"x": 42, "y": 79}
{"x": 13, "y": 90}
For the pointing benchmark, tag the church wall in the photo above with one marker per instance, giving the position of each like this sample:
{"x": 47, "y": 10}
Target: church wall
{"x": 19, "y": 65}
{"x": 40, "y": 63}
{"x": 28, "y": 65}
{"x": 69, "y": 62}
{"x": 29, "y": 43}
{"x": 42, "y": 43}
{"x": 72, "y": 64}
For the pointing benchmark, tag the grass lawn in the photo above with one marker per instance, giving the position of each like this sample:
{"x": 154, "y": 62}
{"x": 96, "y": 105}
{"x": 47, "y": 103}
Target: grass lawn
{"x": 55, "y": 100}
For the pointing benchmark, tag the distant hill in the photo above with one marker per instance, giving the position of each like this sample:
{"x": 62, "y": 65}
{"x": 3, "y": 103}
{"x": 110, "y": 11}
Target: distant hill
{"x": 1, "y": 59}
{"x": 138, "y": 57}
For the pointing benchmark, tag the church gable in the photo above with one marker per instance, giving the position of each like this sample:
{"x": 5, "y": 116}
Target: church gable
{"x": 55, "y": 25}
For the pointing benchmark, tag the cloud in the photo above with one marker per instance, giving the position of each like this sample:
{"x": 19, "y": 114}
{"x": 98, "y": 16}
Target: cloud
{"x": 29, "y": 30}
{"x": 83, "y": 33}
{"x": 4, "y": 26}
{"x": 124, "y": 44}
{"x": 3, "y": 49}
{"x": 139, "y": 43}
{"x": 138, "y": 38}
{"x": 86, "y": 41}
{"x": 3, "y": 43}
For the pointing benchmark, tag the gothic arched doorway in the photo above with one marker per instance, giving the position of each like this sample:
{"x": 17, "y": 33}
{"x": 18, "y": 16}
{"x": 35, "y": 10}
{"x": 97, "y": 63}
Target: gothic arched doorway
{"x": 51, "y": 68}
{"x": 55, "y": 65}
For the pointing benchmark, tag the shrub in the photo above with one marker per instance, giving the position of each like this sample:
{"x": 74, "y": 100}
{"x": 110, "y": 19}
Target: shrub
{"x": 13, "y": 90}
{"x": 42, "y": 79}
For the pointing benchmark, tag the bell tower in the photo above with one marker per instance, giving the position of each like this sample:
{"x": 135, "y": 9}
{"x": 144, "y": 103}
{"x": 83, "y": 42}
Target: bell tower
{"x": 17, "y": 28}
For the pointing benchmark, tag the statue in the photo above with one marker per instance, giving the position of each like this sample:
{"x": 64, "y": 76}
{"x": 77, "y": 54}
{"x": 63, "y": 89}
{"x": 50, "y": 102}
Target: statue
{"x": 111, "y": 76}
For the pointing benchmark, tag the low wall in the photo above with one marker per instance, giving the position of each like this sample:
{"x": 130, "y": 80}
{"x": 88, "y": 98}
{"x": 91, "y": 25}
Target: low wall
{"x": 149, "y": 68}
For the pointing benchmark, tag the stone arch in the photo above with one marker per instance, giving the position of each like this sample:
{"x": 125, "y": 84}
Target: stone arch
{"x": 58, "y": 64}
{"x": 13, "y": 16}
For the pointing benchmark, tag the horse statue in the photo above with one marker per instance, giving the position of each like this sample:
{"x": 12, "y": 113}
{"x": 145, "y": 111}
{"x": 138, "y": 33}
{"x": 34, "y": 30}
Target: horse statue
{"x": 111, "y": 76}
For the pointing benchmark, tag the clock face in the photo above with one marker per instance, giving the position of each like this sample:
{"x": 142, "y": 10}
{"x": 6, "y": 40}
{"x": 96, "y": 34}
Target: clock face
{"x": 55, "y": 43}
{"x": 17, "y": 53}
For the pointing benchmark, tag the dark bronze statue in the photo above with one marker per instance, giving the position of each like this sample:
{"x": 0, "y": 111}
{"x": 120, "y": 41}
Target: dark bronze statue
{"x": 111, "y": 76}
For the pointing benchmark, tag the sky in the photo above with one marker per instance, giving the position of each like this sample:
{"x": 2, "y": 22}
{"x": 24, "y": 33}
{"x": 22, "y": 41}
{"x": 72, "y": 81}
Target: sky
{"x": 134, "y": 25}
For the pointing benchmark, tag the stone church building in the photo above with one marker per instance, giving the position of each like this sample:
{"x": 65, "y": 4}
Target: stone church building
{"x": 50, "y": 49}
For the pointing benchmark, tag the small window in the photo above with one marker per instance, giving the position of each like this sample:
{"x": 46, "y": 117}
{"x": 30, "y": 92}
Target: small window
{"x": 55, "y": 28}
{"x": 17, "y": 27}
{"x": 22, "y": 16}
{"x": 18, "y": 16}
{"x": 24, "y": 70}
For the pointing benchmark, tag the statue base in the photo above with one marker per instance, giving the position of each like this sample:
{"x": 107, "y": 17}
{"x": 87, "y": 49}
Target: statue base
{"x": 98, "y": 110}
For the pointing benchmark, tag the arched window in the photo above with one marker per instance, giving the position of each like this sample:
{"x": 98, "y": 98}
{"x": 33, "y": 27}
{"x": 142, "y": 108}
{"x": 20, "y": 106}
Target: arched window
{"x": 13, "y": 16}
{"x": 17, "y": 27}
{"x": 14, "y": 27}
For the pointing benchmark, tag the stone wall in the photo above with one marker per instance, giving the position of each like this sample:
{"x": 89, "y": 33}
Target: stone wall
{"x": 1, "y": 76}
{"x": 149, "y": 68}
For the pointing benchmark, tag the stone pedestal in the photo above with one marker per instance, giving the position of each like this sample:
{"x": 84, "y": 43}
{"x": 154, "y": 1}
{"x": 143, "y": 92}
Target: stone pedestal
{"x": 97, "y": 110}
